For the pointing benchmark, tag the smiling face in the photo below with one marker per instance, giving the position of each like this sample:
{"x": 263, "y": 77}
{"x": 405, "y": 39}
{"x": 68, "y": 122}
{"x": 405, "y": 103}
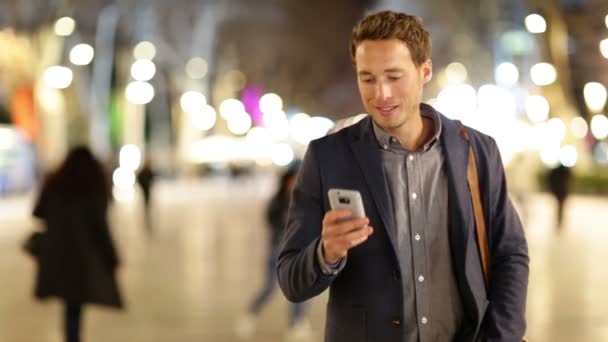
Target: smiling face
{"x": 390, "y": 83}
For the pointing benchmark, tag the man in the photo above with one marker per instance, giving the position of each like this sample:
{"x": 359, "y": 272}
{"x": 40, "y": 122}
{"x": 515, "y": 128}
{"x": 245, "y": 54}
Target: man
{"x": 410, "y": 271}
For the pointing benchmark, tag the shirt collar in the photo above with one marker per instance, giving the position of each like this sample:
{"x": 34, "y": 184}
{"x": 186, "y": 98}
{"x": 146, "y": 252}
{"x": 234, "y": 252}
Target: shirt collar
{"x": 385, "y": 140}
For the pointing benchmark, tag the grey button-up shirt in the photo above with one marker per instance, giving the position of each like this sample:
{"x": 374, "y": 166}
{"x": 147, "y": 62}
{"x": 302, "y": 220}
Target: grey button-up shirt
{"x": 418, "y": 188}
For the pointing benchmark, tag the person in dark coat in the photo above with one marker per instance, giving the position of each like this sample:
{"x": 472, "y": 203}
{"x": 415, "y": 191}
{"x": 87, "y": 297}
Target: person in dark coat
{"x": 559, "y": 184}
{"x": 276, "y": 217}
{"x": 145, "y": 178}
{"x": 77, "y": 260}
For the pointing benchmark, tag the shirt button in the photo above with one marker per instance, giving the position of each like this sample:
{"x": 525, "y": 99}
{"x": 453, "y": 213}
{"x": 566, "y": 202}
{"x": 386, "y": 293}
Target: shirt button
{"x": 414, "y": 195}
{"x": 421, "y": 278}
{"x": 410, "y": 158}
{"x": 423, "y": 320}
{"x": 396, "y": 322}
{"x": 417, "y": 237}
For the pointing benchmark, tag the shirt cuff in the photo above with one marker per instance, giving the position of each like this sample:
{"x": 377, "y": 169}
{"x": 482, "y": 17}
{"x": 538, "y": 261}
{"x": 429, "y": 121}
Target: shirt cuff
{"x": 329, "y": 269}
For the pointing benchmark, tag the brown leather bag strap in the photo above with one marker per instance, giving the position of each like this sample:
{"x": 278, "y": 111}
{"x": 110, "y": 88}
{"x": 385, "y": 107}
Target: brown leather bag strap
{"x": 480, "y": 224}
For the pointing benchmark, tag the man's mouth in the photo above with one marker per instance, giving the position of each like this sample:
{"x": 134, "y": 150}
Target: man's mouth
{"x": 386, "y": 110}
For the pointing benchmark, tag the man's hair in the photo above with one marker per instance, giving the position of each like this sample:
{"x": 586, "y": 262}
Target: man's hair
{"x": 389, "y": 24}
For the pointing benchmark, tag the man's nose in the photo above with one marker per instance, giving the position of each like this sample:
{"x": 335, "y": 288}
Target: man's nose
{"x": 383, "y": 91}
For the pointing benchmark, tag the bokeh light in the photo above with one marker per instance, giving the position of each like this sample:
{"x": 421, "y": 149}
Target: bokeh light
{"x": 197, "y": 68}
{"x": 144, "y": 50}
{"x": 579, "y": 127}
{"x": 65, "y": 26}
{"x": 82, "y": 54}
{"x": 506, "y": 74}
{"x": 535, "y": 23}
{"x": 143, "y": 70}
{"x": 58, "y": 77}
{"x": 139, "y": 92}
{"x": 543, "y": 74}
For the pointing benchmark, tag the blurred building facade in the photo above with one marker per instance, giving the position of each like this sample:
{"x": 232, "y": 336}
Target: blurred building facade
{"x": 217, "y": 83}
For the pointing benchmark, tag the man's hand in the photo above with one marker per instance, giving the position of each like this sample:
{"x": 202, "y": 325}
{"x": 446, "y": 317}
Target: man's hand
{"x": 341, "y": 233}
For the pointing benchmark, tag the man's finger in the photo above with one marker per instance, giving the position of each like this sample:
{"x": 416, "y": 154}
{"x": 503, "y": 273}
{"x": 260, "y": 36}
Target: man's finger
{"x": 333, "y": 216}
{"x": 351, "y": 239}
{"x": 344, "y": 227}
{"x": 358, "y": 236}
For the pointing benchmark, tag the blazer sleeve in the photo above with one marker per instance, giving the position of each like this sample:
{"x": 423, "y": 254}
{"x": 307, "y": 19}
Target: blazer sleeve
{"x": 299, "y": 273}
{"x": 505, "y": 316}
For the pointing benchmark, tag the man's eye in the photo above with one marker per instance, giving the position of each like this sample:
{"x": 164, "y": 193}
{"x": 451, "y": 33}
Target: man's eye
{"x": 394, "y": 78}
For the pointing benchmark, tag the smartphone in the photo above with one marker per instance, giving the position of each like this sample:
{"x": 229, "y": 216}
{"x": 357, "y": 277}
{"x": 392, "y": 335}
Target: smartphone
{"x": 347, "y": 199}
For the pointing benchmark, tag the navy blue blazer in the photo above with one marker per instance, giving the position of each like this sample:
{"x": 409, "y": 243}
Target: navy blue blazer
{"x": 365, "y": 298}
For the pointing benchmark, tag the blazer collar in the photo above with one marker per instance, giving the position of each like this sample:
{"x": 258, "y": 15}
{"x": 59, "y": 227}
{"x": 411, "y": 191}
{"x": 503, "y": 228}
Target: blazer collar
{"x": 456, "y": 153}
{"x": 364, "y": 146}
{"x": 455, "y": 149}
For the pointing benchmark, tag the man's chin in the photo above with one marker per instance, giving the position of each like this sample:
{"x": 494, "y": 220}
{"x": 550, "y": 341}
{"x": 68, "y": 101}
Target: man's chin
{"x": 388, "y": 125}
{"x": 385, "y": 122}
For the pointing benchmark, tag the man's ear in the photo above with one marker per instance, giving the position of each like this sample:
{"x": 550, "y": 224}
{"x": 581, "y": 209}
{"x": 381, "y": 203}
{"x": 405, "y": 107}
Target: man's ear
{"x": 427, "y": 70}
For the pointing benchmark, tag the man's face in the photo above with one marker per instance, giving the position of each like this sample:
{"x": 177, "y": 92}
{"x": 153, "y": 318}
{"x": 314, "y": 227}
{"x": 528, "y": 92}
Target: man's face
{"x": 389, "y": 82}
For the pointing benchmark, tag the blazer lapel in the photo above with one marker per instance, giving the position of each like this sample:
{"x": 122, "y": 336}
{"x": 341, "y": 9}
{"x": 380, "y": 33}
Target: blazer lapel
{"x": 367, "y": 153}
{"x": 368, "y": 156}
{"x": 455, "y": 150}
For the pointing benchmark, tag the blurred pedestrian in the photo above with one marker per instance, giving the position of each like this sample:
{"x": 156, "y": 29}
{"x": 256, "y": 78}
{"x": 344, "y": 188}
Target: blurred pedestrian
{"x": 276, "y": 216}
{"x": 559, "y": 184}
{"x": 77, "y": 260}
{"x": 145, "y": 178}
